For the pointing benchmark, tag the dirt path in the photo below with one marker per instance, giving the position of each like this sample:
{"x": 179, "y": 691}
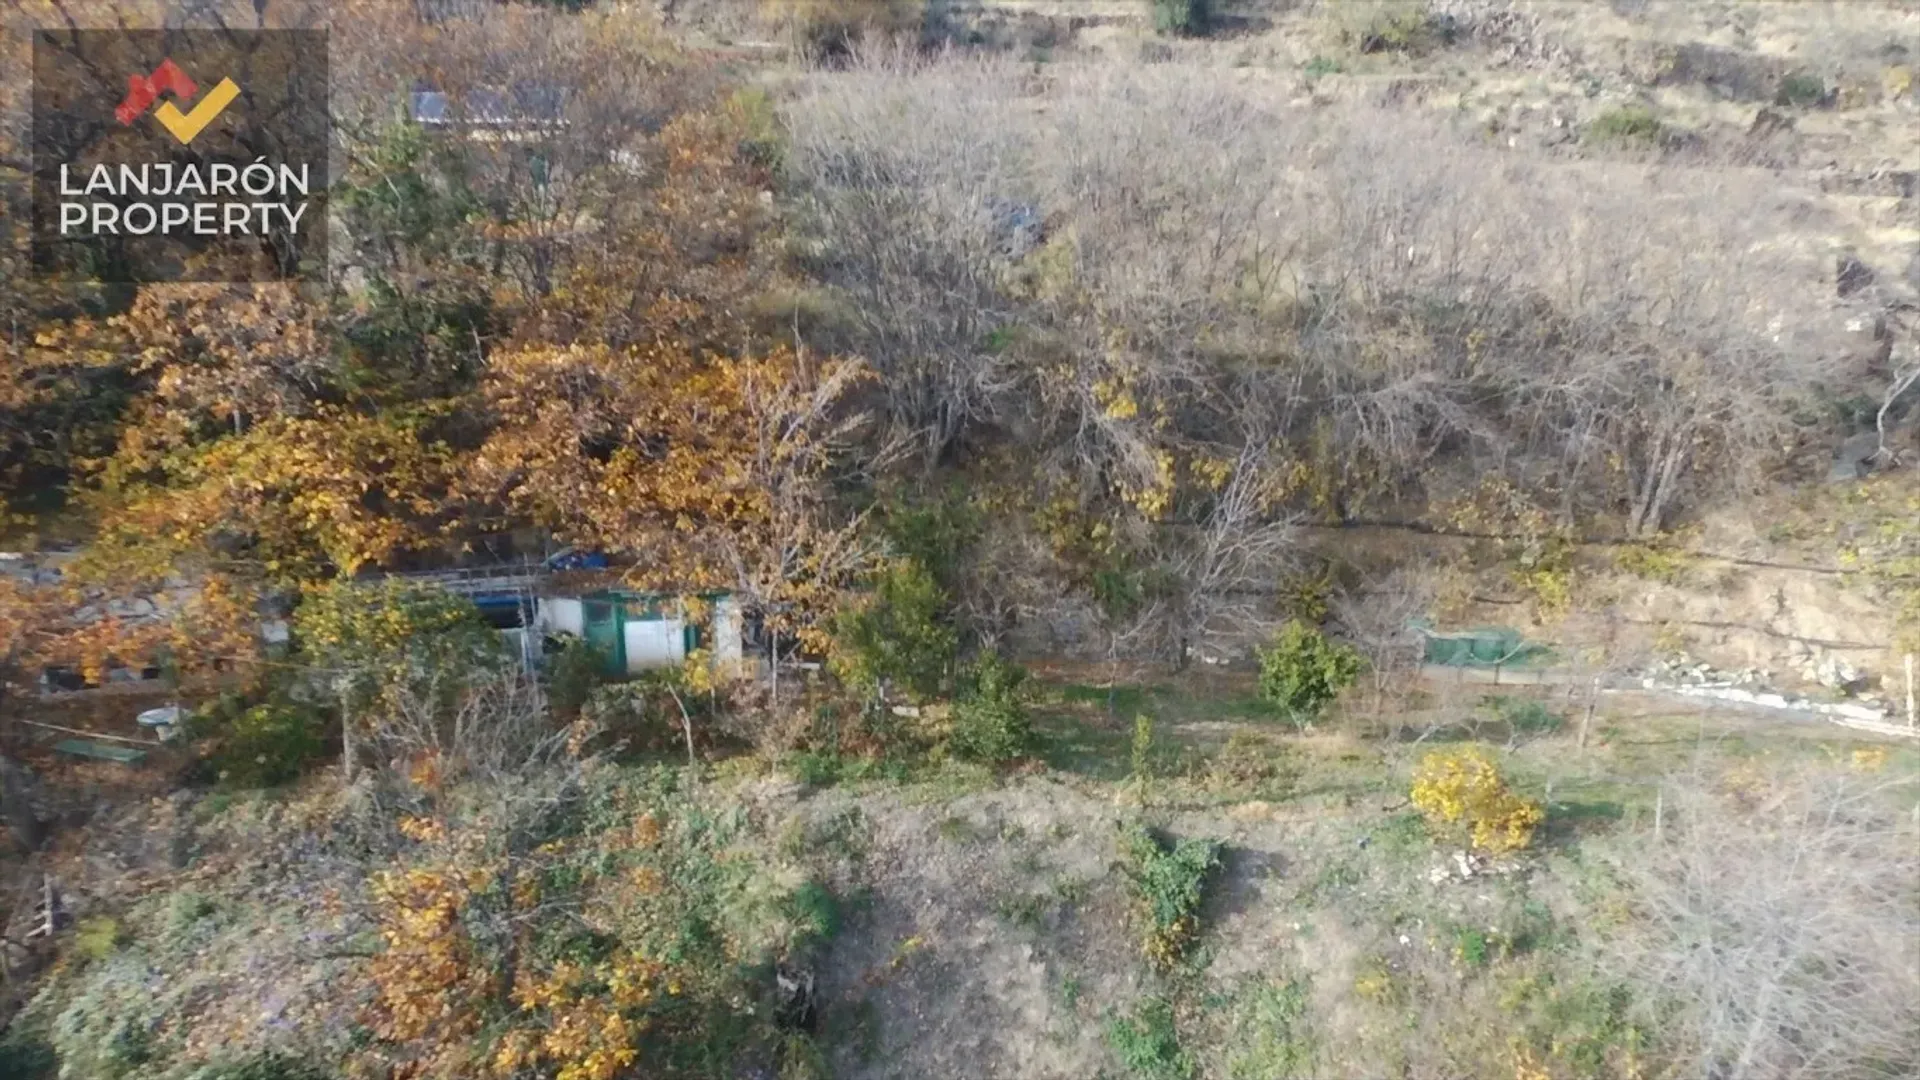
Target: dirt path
{"x": 1731, "y": 699}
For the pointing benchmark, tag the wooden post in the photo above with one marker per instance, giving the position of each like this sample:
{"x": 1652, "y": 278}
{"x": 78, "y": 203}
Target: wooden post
{"x": 1912, "y": 719}
{"x": 1586, "y": 718}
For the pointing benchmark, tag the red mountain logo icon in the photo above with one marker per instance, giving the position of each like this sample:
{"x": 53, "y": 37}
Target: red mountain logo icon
{"x": 144, "y": 90}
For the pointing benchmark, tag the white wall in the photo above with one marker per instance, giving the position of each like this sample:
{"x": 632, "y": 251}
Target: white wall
{"x": 728, "y": 628}
{"x": 561, "y": 615}
{"x": 655, "y": 643}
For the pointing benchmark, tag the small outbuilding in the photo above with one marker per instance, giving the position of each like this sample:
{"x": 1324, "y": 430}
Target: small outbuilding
{"x": 634, "y": 632}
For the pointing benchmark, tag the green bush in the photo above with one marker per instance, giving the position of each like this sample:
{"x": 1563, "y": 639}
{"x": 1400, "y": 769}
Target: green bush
{"x": 1403, "y": 26}
{"x": 761, "y": 139}
{"x": 1140, "y": 757}
{"x": 1169, "y": 882}
{"x": 186, "y": 907}
{"x": 816, "y": 911}
{"x": 98, "y": 937}
{"x": 110, "y": 1031}
{"x": 935, "y": 530}
{"x": 215, "y": 718}
{"x": 396, "y": 640}
{"x": 26, "y": 1055}
{"x": 267, "y": 745}
{"x": 1655, "y": 562}
{"x": 1525, "y": 715}
{"x": 990, "y": 721}
{"x": 1801, "y": 90}
{"x": 897, "y": 635}
{"x": 1188, "y": 18}
{"x": 574, "y": 671}
{"x": 1303, "y": 671}
{"x": 1627, "y": 123}
{"x": 815, "y": 768}
{"x": 1321, "y": 66}
{"x": 1147, "y": 1043}
{"x": 270, "y": 1065}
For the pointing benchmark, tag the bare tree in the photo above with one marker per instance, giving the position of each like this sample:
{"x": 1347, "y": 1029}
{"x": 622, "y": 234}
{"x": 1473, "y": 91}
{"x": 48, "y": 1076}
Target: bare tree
{"x": 1780, "y": 927}
{"x": 547, "y": 121}
{"x": 912, "y": 193}
{"x": 494, "y": 729}
{"x": 1224, "y": 568}
{"x": 1904, "y": 380}
{"x": 1376, "y": 299}
{"x": 1378, "y": 621}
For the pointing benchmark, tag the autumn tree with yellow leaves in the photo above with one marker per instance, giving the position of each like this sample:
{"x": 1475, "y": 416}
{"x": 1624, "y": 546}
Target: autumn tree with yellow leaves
{"x": 704, "y": 471}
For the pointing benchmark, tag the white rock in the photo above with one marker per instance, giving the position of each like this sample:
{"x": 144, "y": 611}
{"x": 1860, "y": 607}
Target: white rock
{"x": 1835, "y": 673}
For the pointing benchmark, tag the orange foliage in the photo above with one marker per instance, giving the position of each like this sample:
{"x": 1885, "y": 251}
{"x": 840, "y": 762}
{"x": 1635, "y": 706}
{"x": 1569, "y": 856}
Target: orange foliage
{"x": 433, "y": 983}
{"x": 296, "y": 495}
{"x": 234, "y": 354}
{"x": 709, "y": 471}
{"x": 428, "y": 989}
{"x": 203, "y": 629}
{"x": 624, "y": 408}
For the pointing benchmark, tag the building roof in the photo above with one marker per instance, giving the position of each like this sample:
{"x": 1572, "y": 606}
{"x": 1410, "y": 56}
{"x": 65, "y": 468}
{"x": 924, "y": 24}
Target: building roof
{"x": 523, "y": 105}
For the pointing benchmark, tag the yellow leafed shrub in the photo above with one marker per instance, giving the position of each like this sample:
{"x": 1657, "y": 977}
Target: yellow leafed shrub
{"x": 1463, "y": 790}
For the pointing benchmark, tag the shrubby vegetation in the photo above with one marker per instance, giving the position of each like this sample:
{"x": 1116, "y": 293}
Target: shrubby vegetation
{"x": 898, "y": 636}
{"x": 1302, "y": 672}
{"x": 990, "y": 721}
{"x": 1462, "y": 791}
{"x": 1777, "y": 924}
{"x": 1393, "y": 26}
{"x": 1169, "y": 878}
{"x": 267, "y": 744}
{"x": 1147, "y": 1044}
{"x": 1628, "y": 123}
{"x": 1185, "y": 17}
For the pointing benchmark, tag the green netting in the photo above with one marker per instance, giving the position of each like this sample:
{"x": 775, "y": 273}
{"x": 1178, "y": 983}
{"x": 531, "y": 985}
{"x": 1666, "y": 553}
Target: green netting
{"x": 1478, "y": 648}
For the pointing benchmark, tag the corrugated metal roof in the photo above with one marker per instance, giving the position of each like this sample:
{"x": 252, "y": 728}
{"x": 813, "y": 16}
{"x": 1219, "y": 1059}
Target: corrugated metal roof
{"x": 529, "y": 103}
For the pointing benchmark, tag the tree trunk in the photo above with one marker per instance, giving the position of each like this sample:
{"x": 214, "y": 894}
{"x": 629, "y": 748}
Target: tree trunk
{"x": 686, "y": 724}
{"x": 346, "y": 741}
{"x": 1899, "y": 387}
{"x": 1665, "y": 464}
{"x": 16, "y": 806}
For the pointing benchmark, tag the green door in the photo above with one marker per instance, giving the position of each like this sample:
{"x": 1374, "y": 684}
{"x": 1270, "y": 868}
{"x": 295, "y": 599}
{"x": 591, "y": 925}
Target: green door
{"x": 600, "y": 619}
